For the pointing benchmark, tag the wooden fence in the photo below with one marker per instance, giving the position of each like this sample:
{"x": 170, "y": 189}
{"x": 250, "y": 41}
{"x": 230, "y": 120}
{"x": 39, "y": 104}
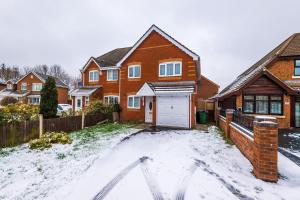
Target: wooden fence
{"x": 22, "y": 132}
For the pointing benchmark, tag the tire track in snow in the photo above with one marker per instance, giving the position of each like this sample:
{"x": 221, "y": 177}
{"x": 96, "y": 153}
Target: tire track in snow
{"x": 110, "y": 185}
{"x": 152, "y": 183}
{"x": 230, "y": 187}
{"x": 185, "y": 181}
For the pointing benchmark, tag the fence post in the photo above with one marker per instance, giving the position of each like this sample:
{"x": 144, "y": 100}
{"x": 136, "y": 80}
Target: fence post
{"x": 229, "y": 116}
{"x": 41, "y": 123}
{"x": 82, "y": 120}
{"x": 217, "y": 113}
{"x": 265, "y": 161}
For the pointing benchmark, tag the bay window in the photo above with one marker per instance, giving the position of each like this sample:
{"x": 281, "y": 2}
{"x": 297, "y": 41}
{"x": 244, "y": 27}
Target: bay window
{"x": 170, "y": 69}
{"x": 263, "y": 104}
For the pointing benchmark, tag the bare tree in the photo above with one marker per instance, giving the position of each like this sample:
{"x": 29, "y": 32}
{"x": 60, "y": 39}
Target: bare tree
{"x": 9, "y": 72}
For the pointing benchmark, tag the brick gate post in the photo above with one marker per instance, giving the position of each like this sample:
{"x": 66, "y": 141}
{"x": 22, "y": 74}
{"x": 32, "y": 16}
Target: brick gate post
{"x": 265, "y": 159}
{"x": 229, "y": 116}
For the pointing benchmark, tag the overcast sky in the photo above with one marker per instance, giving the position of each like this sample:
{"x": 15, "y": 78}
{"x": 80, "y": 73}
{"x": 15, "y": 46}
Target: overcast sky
{"x": 229, "y": 35}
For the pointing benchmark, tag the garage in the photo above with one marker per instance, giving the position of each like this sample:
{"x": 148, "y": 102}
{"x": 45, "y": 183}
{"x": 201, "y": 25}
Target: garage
{"x": 173, "y": 111}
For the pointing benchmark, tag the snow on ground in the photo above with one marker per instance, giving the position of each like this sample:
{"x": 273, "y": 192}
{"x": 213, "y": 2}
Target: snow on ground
{"x": 185, "y": 163}
{"x": 175, "y": 164}
{"x": 31, "y": 174}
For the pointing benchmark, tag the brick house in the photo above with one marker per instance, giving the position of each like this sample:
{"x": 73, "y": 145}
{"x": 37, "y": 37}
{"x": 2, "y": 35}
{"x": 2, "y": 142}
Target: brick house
{"x": 270, "y": 87}
{"x": 27, "y": 88}
{"x": 2, "y": 85}
{"x": 155, "y": 81}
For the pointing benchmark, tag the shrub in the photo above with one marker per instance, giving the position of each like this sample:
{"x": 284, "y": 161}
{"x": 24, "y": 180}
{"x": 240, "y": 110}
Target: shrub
{"x": 19, "y": 112}
{"x": 48, "y": 139}
{"x": 98, "y": 107}
{"x": 48, "y": 105}
{"x": 8, "y": 100}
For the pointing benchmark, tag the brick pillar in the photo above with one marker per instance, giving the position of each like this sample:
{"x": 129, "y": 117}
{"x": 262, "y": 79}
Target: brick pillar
{"x": 229, "y": 116}
{"x": 265, "y": 158}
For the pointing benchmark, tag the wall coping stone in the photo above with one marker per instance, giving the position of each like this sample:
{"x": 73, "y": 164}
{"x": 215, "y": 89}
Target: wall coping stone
{"x": 265, "y": 118}
{"x": 265, "y": 124}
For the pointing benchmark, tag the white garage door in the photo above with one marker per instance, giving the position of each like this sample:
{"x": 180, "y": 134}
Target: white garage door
{"x": 173, "y": 111}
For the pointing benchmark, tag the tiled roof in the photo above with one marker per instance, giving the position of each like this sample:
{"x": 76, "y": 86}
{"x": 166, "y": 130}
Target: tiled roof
{"x": 290, "y": 47}
{"x": 58, "y": 82}
{"x": 111, "y": 58}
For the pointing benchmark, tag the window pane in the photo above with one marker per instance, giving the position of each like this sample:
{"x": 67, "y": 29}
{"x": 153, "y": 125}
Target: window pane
{"x": 162, "y": 70}
{"x": 262, "y": 98}
{"x": 297, "y": 63}
{"x": 248, "y": 107}
{"x": 177, "y": 68}
{"x": 262, "y": 107}
{"x": 297, "y": 71}
{"x": 275, "y": 107}
{"x": 130, "y": 72}
{"x": 277, "y": 98}
{"x": 169, "y": 69}
{"x": 248, "y": 97}
{"x": 136, "y": 102}
{"x": 137, "y": 71}
{"x": 115, "y": 74}
{"x": 130, "y": 102}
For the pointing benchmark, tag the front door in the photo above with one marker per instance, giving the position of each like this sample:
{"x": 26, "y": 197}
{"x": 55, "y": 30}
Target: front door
{"x": 78, "y": 103}
{"x": 148, "y": 109}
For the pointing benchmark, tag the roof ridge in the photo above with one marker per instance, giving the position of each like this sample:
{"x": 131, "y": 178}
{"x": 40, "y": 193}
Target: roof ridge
{"x": 287, "y": 42}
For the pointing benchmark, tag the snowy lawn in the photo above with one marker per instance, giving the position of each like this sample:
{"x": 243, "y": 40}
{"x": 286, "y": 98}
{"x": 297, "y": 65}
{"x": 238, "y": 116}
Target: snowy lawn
{"x": 32, "y": 174}
{"x": 179, "y": 164}
{"x": 290, "y": 142}
{"x": 174, "y": 164}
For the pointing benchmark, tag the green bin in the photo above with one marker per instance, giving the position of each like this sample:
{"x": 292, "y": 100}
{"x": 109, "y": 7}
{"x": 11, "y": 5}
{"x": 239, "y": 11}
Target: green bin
{"x": 202, "y": 117}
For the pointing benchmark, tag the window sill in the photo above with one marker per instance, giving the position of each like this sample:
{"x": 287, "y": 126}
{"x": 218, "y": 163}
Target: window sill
{"x": 170, "y": 78}
{"x": 133, "y": 109}
{"x": 134, "y": 79}
{"x": 296, "y": 76}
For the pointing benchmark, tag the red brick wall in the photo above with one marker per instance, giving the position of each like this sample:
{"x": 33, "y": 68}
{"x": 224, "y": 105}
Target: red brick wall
{"x": 153, "y": 50}
{"x": 244, "y": 143}
{"x": 62, "y": 95}
{"x": 2, "y": 86}
{"x": 108, "y": 87}
{"x": 283, "y": 69}
{"x": 222, "y": 124}
{"x": 207, "y": 88}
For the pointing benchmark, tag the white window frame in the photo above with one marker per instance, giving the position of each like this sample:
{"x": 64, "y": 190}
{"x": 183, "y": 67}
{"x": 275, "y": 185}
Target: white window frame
{"x": 112, "y": 96}
{"x": 165, "y": 64}
{"x": 133, "y": 107}
{"x": 112, "y": 77}
{"x": 30, "y": 100}
{"x": 9, "y": 86}
{"x": 134, "y": 75}
{"x": 97, "y": 77}
{"x": 24, "y": 85}
{"x": 33, "y": 89}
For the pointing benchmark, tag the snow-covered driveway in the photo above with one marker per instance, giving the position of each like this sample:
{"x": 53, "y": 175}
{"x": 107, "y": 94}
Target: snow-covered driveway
{"x": 178, "y": 165}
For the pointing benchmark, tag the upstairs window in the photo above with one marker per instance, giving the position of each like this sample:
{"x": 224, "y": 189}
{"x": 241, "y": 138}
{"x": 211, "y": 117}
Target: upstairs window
{"x": 9, "y": 86}
{"x": 37, "y": 86}
{"x": 93, "y": 76}
{"x": 297, "y": 67}
{"x": 112, "y": 75}
{"x": 23, "y": 86}
{"x": 170, "y": 69}
{"x": 134, "y": 71}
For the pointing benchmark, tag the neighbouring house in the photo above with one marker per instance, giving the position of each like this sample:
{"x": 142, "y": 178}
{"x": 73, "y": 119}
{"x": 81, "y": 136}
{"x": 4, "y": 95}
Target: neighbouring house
{"x": 2, "y": 85}
{"x": 270, "y": 87}
{"x": 27, "y": 89}
{"x": 154, "y": 81}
